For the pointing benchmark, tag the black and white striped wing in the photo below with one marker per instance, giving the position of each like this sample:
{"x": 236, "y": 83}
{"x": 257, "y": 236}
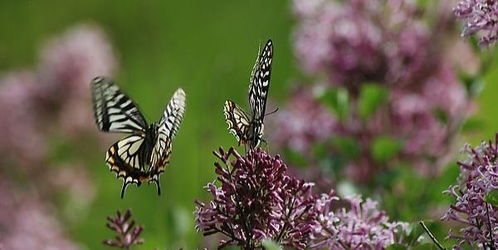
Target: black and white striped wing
{"x": 260, "y": 81}
{"x": 126, "y": 159}
{"x": 167, "y": 129}
{"x": 113, "y": 110}
{"x": 238, "y": 121}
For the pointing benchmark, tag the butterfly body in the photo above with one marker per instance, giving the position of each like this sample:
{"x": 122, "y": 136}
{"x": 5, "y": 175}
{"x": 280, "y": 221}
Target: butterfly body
{"x": 143, "y": 155}
{"x": 248, "y": 129}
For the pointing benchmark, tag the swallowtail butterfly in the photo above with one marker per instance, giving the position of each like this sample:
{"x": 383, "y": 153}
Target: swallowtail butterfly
{"x": 142, "y": 155}
{"x": 248, "y": 129}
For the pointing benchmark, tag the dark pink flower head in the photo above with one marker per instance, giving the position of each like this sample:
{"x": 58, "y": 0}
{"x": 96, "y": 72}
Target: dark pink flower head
{"x": 257, "y": 200}
{"x": 478, "y": 176}
{"x": 361, "y": 226}
{"x": 480, "y": 17}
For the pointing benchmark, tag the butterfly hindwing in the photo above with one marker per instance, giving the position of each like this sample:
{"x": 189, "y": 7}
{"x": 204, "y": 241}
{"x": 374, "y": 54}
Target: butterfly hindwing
{"x": 113, "y": 110}
{"x": 126, "y": 159}
{"x": 238, "y": 121}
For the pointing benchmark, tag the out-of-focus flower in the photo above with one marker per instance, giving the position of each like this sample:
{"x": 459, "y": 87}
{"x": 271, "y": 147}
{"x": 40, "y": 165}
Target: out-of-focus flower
{"x": 27, "y": 223}
{"x": 68, "y": 63}
{"x": 385, "y": 44}
{"x": 480, "y": 18}
{"x": 362, "y": 226}
{"x": 127, "y": 233}
{"x": 304, "y": 121}
{"x": 56, "y": 96}
{"x": 478, "y": 176}
{"x": 257, "y": 200}
{"x": 36, "y": 106}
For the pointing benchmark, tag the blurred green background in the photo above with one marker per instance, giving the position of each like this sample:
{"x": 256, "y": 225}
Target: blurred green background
{"x": 207, "y": 48}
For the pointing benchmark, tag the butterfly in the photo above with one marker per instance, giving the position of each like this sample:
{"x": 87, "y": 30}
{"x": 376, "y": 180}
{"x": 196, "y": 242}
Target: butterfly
{"x": 144, "y": 153}
{"x": 248, "y": 129}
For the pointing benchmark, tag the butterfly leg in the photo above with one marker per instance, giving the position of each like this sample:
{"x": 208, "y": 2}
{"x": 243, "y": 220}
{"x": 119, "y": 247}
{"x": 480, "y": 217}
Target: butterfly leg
{"x": 123, "y": 189}
{"x": 158, "y": 185}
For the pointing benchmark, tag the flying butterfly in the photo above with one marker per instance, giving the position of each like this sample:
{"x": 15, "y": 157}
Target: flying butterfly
{"x": 142, "y": 155}
{"x": 248, "y": 129}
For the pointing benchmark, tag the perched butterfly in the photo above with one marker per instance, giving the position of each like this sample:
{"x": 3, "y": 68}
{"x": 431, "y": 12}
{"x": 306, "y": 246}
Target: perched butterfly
{"x": 248, "y": 129}
{"x": 143, "y": 155}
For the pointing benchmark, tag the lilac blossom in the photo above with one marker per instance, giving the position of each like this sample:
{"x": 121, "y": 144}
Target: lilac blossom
{"x": 257, "y": 200}
{"x": 127, "y": 233}
{"x": 361, "y": 226}
{"x": 303, "y": 121}
{"x": 51, "y": 100}
{"x": 386, "y": 44}
{"x": 479, "y": 18}
{"x": 478, "y": 176}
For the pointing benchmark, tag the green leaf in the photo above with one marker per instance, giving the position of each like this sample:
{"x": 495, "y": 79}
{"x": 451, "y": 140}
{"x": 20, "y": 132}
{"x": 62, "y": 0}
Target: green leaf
{"x": 396, "y": 246}
{"x": 384, "y": 148}
{"x": 425, "y": 246}
{"x": 473, "y": 124}
{"x": 271, "y": 245}
{"x": 346, "y": 145}
{"x": 372, "y": 96}
{"x": 337, "y": 100}
{"x": 492, "y": 197}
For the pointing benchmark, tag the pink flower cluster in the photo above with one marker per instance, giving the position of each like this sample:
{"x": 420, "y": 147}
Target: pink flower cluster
{"x": 387, "y": 45}
{"x": 36, "y": 106}
{"x": 478, "y": 176}
{"x": 362, "y": 226}
{"x": 480, "y": 18}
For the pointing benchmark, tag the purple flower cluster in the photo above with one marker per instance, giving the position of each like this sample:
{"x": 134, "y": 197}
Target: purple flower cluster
{"x": 258, "y": 200}
{"x": 362, "y": 226}
{"x": 478, "y": 176}
{"x": 127, "y": 233}
{"x": 385, "y": 44}
{"x": 480, "y": 17}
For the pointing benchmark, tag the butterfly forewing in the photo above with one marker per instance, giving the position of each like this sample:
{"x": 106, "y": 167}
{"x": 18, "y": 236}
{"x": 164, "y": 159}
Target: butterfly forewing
{"x": 260, "y": 81}
{"x": 167, "y": 129}
{"x": 113, "y": 110}
{"x": 238, "y": 121}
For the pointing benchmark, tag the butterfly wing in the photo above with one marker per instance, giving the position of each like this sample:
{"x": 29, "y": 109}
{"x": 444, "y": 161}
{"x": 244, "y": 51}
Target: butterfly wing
{"x": 238, "y": 121}
{"x": 260, "y": 81}
{"x": 113, "y": 110}
{"x": 166, "y": 131}
{"x": 126, "y": 159}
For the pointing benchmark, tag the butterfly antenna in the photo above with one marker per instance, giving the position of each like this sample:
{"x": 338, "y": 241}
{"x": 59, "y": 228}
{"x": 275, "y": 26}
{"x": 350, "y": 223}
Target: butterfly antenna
{"x": 274, "y": 111}
{"x": 123, "y": 189}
